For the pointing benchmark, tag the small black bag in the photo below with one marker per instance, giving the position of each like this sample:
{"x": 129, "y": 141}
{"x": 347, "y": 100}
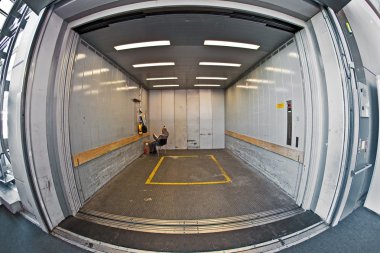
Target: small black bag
{"x": 144, "y": 129}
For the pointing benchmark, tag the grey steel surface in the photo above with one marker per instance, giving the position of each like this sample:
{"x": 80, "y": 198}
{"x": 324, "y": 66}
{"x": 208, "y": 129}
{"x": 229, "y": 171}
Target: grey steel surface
{"x": 188, "y": 226}
{"x": 283, "y": 171}
{"x": 229, "y": 241}
{"x": 248, "y": 193}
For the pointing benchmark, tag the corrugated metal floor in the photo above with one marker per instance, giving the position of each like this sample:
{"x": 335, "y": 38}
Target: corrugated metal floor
{"x": 184, "y": 187}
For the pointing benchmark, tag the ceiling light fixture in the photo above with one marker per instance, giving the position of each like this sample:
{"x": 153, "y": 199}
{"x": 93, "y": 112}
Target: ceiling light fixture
{"x": 157, "y": 64}
{"x": 165, "y": 85}
{"x": 210, "y": 78}
{"x": 161, "y": 78}
{"x": 223, "y": 64}
{"x": 143, "y": 44}
{"x": 230, "y": 44}
{"x": 206, "y": 85}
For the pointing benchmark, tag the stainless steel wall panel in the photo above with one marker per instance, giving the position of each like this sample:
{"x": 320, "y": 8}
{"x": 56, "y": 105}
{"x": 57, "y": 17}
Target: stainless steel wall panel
{"x": 218, "y": 136}
{"x": 205, "y": 119}
{"x": 167, "y": 107}
{"x": 77, "y": 87}
{"x": 155, "y": 122}
{"x": 251, "y": 102}
{"x": 180, "y": 117}
{"x": 185, "y": 112}
{"x": 98, "y": 172}
{"x": 282, "y": 171}
{"x": 101, "y": 111}
{"x": 193, "y": 119}
{"x": 254, "y": 108}
{"x": 336, "y": 118}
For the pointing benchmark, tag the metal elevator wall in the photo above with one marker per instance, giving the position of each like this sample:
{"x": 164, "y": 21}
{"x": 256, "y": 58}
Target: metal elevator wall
{"x": 194, "y": 118}
{"x": 256, "y": 106}
{"x": 101, "y": 107}
{"x": 101, "y": 112}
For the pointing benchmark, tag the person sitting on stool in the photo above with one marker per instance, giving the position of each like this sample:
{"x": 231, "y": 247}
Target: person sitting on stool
{"x": 164, "y": 135}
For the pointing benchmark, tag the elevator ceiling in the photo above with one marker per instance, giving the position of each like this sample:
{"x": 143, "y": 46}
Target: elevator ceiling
{"x": 187, "y": 29}
{"x": 186, "y": 33}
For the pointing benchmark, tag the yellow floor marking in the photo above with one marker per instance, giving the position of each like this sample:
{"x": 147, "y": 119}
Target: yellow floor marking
{"x": 181, "y": 156}
{"x": 152, "y": 174}
{"x": 189, "y": 183}
{"x": 228, "y": 179}
{"x": 154, "y": 170}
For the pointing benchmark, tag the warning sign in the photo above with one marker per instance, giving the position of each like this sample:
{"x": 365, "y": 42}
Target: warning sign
{"x": 280, "y": 105}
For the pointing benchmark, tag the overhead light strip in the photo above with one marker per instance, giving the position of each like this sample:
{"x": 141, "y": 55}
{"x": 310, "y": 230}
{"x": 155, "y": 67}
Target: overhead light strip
{"x": 207, "y": 85}
{"x": 161, "y": 78}
{"x": 165, "y": 85}
{"x": 210, "y": 78}
{"x": 222, "y": 64}
{"x": 230, "y": 44}
{"x": 156, "y": 64}
{"x": 143, "y": 44}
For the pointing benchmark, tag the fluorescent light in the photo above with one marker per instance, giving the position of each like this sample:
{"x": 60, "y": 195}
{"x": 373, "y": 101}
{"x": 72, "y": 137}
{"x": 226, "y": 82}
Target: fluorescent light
{"x": 157, "y": 64}
{"x": 230, "y": 44}
{"x": 206, "y": 85}
{"x": 259, "y": 81}
{"x": 247, "y": 87}
{"x": 143, "y": 44}
{"x": 279, "y": 70}
{"x": 161, "y": 78}
{"x": 220, "y": 64}
{"x": 165, "y": 85}
{"x": 210, "y": 78}
{"x": 113, "y": 82}
{"x": 126, "y": 88}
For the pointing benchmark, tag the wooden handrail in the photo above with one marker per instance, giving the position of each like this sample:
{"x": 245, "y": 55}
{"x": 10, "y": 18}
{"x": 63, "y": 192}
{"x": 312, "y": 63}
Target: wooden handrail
{"x": 293, "y": 154}
{"x": 86, "y": 156}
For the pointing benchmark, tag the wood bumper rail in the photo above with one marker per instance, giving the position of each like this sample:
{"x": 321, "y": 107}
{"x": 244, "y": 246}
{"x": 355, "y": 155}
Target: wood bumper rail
{"x": 293, "y": 154}
{"x": 86, "y": 156}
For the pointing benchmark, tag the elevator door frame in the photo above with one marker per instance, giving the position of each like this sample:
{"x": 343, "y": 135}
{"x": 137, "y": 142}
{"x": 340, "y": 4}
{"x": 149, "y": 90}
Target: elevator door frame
{"x": 301, "y": 198}
{"x": 61, "y": 95}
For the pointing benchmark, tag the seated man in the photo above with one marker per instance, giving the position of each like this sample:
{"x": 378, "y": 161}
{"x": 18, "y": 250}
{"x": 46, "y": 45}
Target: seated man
{"x": 164, "y": 135}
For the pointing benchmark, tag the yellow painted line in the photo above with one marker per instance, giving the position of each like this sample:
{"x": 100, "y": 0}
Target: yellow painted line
{"x": 190, "y": 183}
{"x": 154, "y": 171}
{"x": 181, "y": 156}
{"x": 152, "y": 174}
{"x": 228, "y": 179}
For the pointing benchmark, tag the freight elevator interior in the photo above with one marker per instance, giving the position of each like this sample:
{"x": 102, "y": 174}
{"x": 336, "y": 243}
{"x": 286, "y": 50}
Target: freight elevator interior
{"x": 254, "y": 100}
{"x": 234, "y": 113}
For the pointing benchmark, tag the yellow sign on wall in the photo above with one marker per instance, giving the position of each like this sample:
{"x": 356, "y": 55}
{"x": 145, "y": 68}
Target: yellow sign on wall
{"x": 280, "y": 105}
